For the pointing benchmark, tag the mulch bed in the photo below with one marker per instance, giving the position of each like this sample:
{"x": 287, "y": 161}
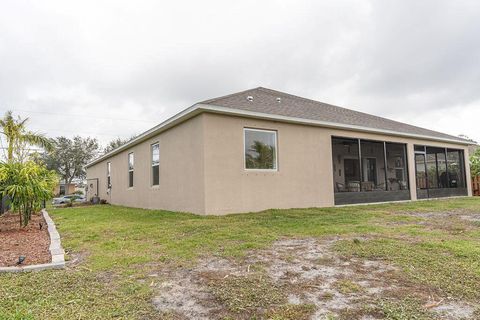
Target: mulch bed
{"x": 30, "y": 242}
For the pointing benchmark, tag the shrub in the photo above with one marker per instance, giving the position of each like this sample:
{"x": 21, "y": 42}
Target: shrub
{"x": 27, "y": 185}
{"x": 69, "y": 204}
{"x": 475, "y": 163}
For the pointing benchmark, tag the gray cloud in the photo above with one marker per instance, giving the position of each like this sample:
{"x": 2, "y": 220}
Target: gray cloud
{"x": 410, "y": 61}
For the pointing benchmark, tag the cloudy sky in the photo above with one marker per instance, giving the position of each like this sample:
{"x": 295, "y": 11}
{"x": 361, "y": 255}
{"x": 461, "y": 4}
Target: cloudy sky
{"x": 116, "y": 68}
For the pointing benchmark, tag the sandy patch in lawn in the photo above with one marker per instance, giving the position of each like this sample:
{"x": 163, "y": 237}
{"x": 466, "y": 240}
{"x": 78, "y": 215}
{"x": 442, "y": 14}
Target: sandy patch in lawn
{"x": 318, "y": 275}
{"x": 31, "y": 241}
{"x": 184, "y": 294}
{"x": 453, "y": 222}
{"x": 308, "y": 271}
{"x": 454, "y": 310}
{"x": 463, "y": 214}
{"x": 472, "y": 217}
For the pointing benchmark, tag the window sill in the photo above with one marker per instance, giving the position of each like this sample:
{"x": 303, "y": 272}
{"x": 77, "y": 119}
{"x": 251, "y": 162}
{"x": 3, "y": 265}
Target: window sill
{"x": 261, "y": 170}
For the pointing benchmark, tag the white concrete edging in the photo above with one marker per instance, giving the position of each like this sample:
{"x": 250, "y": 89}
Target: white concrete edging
{"x": 56, "y": 251}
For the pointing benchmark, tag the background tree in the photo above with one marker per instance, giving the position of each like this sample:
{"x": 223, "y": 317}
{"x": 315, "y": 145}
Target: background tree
{"x": 19, "y": 138}
{"x": 474, "y": 151}
{"x": 115, "y": 143}
{"x": 463, "y": 136}
{"x": 70, "y": 156}
{"x": 475, "y": 163}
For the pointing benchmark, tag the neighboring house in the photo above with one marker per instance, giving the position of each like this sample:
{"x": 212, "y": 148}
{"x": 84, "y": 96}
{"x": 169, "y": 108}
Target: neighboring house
{"x": 261, "y": 149}
{"x": 63, "y": 188}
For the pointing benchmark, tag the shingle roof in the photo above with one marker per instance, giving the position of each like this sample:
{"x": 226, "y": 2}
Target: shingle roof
{"x": 273, "y": 102}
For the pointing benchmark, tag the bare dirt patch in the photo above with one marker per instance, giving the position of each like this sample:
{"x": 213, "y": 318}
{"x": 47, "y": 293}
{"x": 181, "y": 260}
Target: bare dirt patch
{"x": 464, "y": 214}
{"x": 453, "y": 221}
{"x": 32, "y": 242}
{"x": 319, "y": 276}
{"x": 471, "y": 217}
{"x": 304, "y": 276}
{"x": 183, "y": 295}
{"x": 76, "y": 259}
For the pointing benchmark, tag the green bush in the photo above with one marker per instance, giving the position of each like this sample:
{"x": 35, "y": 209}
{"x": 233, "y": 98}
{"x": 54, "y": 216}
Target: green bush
{"x": 26, "y": 185}
{"x": 475, "y": 163}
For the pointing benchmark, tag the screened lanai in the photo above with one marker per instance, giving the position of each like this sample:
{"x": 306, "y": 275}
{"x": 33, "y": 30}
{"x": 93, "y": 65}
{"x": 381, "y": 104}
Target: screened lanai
{"x": 440, "y": 172}
{"x": 369, "y": 171}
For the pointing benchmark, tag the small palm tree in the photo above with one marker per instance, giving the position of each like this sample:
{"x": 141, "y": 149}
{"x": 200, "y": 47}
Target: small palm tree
{"x": 17, "y": 136}
{"x": 261, "y": 156}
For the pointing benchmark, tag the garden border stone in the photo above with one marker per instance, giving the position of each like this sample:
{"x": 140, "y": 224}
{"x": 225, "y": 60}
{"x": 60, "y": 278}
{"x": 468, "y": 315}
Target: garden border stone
{"x": 56, "y": 251}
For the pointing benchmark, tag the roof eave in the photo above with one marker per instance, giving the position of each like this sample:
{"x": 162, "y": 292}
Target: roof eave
{"x": 199, "y": 108}
{"x": 167, "y": 124}
{"x": 258, "y": 115}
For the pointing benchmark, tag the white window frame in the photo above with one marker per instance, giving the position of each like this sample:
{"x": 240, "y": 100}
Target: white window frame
{"x": 276, "y": 149}
{"x": 131, "y": 170}
{"x": 109, "y": 175}
{"x": 152, "y": 165}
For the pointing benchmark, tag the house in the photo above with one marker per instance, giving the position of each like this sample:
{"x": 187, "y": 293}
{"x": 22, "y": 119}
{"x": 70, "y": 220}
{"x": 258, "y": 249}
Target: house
{"x": 261, "y": 149}
{"x": 63, "y": 188}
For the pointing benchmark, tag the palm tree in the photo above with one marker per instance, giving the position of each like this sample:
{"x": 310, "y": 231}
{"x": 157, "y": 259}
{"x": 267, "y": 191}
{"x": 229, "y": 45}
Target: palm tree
{"x": 260, "y": 156}
{"x": 17, "y": 136}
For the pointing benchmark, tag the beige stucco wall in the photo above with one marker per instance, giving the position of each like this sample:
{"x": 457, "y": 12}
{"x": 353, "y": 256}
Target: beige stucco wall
{"x": 304, "y": 177}
{"x": 202, "y": 168}
{"x": 69, "y": 190}
{"x": 181, "y": 185}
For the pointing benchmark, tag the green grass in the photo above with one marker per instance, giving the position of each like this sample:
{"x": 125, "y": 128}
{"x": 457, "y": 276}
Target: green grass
{"x": 403, "y": 310}
{"x": 119, "y": 246}
{"x": 347, "y": 286}
{"x": 291, "y": 312}
{"x": 244, "y": 294}
{"x": 450, "y": 266}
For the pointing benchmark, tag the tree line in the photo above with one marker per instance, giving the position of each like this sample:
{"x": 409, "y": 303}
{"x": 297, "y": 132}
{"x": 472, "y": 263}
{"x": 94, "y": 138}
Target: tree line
{"x": 28, "y": 177}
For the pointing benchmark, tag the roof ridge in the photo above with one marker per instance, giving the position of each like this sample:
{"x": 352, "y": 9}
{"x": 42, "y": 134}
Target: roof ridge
{"x": 299, "y": 97}
{"x": 268, "y": 90}
{"x": 272, "y": 91}
{"x": 319, "y": 104}
{"x": 228, "y": 95}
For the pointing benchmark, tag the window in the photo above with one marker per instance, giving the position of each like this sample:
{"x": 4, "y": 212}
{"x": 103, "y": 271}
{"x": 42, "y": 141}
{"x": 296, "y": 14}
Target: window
{"x": 346, "y": 165}
{"x": 397, "y": 174}
{"x": 456, "y": 170}
{"x": 442, "y": 169}
{"x": 419, "y": 148}
{"x": 365, "y": 165}
{"x": 420, "y": 171}
{"x": 373, "y": 166}
{"x": 439, "y": 168}
{"x": 130, "y": 169}
{"x": 436, "y": 170}
{"x": 155, "y": 164}
{"x": 260, "y": 149}
{"x": 109, "y": 181}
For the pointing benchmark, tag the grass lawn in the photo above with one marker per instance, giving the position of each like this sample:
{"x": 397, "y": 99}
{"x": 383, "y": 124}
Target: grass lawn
{"x": 118, "y": 256}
